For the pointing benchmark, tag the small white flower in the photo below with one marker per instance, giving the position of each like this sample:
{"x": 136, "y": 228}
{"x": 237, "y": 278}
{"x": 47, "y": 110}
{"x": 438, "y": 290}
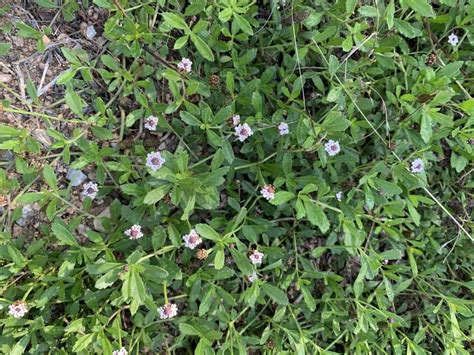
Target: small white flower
{"x": 268, "y": 192}
{"x": 235, "y": 120}
{"x": 151, "y": 123}
{"x": 256, "y": 257}
{"x": 17, "y": 309}
{"x": 417, "y": 166}
{"x": 90, "y": 189}
{"x": 185, "y": 65}
{"x": 154, "y": 160}
{"x": 253, "y": 277}
{"x": 243, "y": 131}
{"x": 283, "y": 129}
{"x": 453, "y": 39}
{"x": 121, "y": 351}
{"x": 192, "y": 240}
{"x": 339, "y": 196}
{"x": 168, "y": 311}
{"x": 135, "y": 232}
{"x": 332, "y": 147}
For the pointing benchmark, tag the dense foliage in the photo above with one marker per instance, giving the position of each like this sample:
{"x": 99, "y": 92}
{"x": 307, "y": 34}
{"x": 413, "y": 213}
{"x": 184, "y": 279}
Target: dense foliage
{"x": 346, "y": 229}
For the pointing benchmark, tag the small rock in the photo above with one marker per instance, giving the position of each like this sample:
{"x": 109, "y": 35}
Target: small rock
{"x": 98, "y": 223}
{"x": 5, "y": 78}
{"x": 76, "y": 177}
{"x": 90, "y": 32}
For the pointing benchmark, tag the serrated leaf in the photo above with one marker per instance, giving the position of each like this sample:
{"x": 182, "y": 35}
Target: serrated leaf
{"x": 207, "y": 232}
{"x": 156, "y": 195}
{"x": 282, "y": 197}
{"x": 422, "y": 7}
{"x": 63, "y": 234}
{"x": 175, "y": 21}
{"x": 316, "y": 215}
{"x": 202, "y": 47}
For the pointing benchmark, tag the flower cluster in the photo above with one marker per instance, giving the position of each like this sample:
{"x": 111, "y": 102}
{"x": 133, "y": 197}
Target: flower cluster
{"x": 154, "y": 160}
{"x": 185, "y": 65}
{"x": 256, "y": 257}
{"x": 90, "y": 189}
{"x": 151, "y": 123}
{"x": 235, "y": 120}
{"x": 332, "y": 147}
{"x": 283, "y": 129}
{"x": 192, "y": 240}
{"x": 17, "y": 309}
{"x": 135, "y": 232}
{"x": 167, "y": 311}
{"x": 121, "y": 351}
{"x": 417, "y": 166}
{"x": 268, "y": 192}
{"x": 243, "y": 131}
{"x": 453, "y": 39}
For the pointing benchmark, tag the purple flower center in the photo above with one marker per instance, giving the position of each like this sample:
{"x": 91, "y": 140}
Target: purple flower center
{"x": 244, "y": 132}
{"x": 155, "y": 161}
{"x": 134, "y": 232}
{"x": 333, "y": 147}
{"x": 90, "y": 190}
{"x": 167, "y": 309}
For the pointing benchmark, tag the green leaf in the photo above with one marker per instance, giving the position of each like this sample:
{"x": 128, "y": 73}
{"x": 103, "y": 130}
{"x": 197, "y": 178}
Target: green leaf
{"x": 63, "y": 234}
{"x": 243, "y": 24}
{"x": 50, "y": 177}
{"x": 31, "y": 197}
{"x": 207, "y": 232}
{"x": 275, "y": 293}
{"x": 422, "y": 7}
{"x": 102, "y": 133}
{"x": 334, "y": 122}
{"x": 389, "y": 14}
{"x": 425, "y": 129}
{"x": 75, "y": 103}
{"x": 316, "y": 215}
{"x": 202, "y": 47}
{"x": 308, "y": 298}
{"x": 219, "y": 258}
{"x": 83, "y": 342}
{"x": 188, "y": 329}
{"x": 157, "y": 194}
{"x": 282, "y": 197}
{"x": 175, "y": 21}
{"x": 4, "y": 48}
{"x": 181, "y": 42}
{"x": 243, "y": 263}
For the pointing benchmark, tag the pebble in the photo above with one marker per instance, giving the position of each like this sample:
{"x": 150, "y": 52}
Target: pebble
{"x": 76, "y": 177}
{"x": 5, "y": 78}
{"x": 90, "y": 32}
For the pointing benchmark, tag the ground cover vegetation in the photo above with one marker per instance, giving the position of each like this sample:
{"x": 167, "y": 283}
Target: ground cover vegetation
{"x": 236, "y": 177}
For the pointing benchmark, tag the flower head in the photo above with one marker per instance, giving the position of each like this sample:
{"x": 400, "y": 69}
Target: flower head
{"x": 268, "y": 192}
{"x": 235, "y": 119}
{"x": 121, "y": 351}
{"x": 339, "y": 196}
{"x": 185, "y": 65}
{"x": 283, "y": 129}
{"x": 256, "y": 257}
{"x": 243, "y": 131}
{"x": 332, "y": 147}
{"x": 168, "y": 311}
{"x": 192, "y": 240}
{"x": 90, "y": 189}
{"x": 135, "y": 232}
{"x": 17, "y": 309}
{"x": 253, "y": 277}
{"x": 151, "y": 122}
{"x": 453, "y": 39}
{"x": 417, "y": 166}
{"x": 154, "y": 160}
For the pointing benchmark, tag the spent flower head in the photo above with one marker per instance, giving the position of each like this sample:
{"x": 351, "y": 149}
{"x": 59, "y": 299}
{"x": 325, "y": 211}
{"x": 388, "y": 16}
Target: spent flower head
{"x": 192, "y": 240}
{"x": 151, "y": 123}
{"x": 417, "y": 166}
{"x": 243, "y": 131}
{"x": 453, "y": 39}
{"x": 17, "y": 309}
{"x": 332, "y": 147}
{"x": 283, "y": 129}
{"x": 154, "y": 160}
{"x": 256, "y": 257}
{"x": 268, "y": 192}
{"x": 135, "y": 232}
{"x": 90, "y": 189}
{"x": 167, "y": 311}
{"x": 185, "y": 65}
{"x": 253, "y": 277}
